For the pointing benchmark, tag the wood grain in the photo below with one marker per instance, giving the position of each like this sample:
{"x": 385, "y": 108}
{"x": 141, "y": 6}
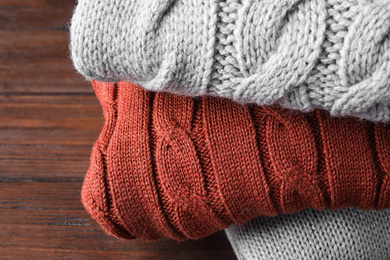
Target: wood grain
{"x": 49, "y": 120}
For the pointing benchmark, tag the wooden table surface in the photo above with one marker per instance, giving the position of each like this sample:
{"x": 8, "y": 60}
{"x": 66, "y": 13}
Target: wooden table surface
{"x": 49, "y": 120}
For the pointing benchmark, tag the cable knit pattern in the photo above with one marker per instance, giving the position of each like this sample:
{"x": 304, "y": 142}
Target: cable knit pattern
{"x": 301, "y": 54}
{"x": 346, "y": 234}
{"x": 173, "y": 166}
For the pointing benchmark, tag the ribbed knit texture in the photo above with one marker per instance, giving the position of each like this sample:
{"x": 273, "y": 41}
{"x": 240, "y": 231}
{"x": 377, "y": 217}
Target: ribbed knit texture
{"x": 172, "y": 166}
{"x": 301, "y": 54}
{"x": 346, "y": 234}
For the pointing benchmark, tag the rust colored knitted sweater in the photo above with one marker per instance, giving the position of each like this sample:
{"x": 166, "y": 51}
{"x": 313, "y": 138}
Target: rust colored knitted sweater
{"x": 172, "y": 166}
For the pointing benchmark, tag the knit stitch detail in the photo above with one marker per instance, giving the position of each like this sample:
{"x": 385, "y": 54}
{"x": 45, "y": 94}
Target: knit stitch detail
{"x": 301, "y": 54}
{"x": 179, "y": 167}
{"x": 343, "y": 234}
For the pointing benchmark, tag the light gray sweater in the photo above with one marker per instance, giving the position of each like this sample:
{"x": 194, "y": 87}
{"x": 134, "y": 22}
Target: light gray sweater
{"x": 302, "y": 54}
{"x": 345, "y": 234}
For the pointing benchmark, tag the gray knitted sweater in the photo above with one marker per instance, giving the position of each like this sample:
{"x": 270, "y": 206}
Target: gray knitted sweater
{"x": 302, "y": 54}
{"x": 344, "y": 234}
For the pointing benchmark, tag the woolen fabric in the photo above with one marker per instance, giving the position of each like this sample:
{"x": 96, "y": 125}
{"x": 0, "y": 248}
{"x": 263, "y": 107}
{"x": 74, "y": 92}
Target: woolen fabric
{"x": 345, "y": 234}
{"x": 301, "y": 54}
{"x": 181, "y": 167}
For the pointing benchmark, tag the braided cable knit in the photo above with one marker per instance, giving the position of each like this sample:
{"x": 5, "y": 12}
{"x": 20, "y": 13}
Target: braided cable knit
{"x": 174, "y": 166}
{"x": 301, "y": 54}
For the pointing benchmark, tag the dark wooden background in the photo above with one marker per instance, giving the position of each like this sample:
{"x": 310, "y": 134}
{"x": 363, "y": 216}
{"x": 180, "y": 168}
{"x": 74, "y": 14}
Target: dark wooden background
{"x": 49, "y": 119}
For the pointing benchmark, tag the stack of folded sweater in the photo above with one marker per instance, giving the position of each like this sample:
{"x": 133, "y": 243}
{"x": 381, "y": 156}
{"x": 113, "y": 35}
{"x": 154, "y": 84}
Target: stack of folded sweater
{"x": 271, "y": 115}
